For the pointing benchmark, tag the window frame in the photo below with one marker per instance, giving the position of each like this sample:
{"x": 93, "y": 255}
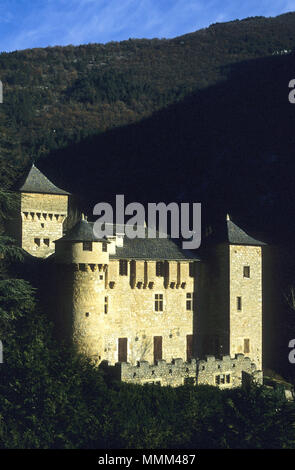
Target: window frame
{"x": 158, "y": 302}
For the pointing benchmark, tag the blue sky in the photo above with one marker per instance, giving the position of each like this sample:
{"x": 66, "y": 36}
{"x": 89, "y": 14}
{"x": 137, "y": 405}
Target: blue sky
{"x": 36, "y": 23}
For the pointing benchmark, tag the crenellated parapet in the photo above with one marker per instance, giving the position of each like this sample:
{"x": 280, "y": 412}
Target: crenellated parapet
{"x": 225, "y": 372}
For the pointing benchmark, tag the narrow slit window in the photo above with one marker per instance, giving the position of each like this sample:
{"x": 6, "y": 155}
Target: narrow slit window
{"x": 239, "y": 304}
{"x": 246, "y": 271}
{"x": 189, "y": 301}
{"x": 106, "y": 305}
{"x": 46, "y": 241}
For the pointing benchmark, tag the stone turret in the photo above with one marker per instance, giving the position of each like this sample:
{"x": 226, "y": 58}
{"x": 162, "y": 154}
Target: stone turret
{"x": 43, "y": 208}
{"x": 82, "y": 262}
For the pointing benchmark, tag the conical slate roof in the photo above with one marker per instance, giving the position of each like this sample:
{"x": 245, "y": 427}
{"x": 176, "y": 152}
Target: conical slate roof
{"x": 82, "y": 232}
{"x": 36, "y": 182}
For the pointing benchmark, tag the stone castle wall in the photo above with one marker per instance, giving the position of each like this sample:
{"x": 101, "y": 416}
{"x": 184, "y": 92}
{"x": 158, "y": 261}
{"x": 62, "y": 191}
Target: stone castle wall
{"x": 226, "y": 372}
{"x": 104, "y": 306}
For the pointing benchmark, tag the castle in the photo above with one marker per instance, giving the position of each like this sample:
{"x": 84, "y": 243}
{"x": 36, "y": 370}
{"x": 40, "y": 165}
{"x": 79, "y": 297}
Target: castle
{"x": 145, "y": 309}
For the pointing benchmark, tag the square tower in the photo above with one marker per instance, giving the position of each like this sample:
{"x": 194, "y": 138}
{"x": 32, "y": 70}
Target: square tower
{"x": 43, "y": 208}
{"x": 232, "y": 293}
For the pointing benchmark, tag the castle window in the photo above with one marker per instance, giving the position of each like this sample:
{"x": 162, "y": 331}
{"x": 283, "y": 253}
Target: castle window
{"x": 123, "y": 267}
{"x": 37, "y": 241}
{"x": 42, "y": 225}
{"x": 159, "y": 268}
{"x": 106, "y": 305}
{"x": 87, "y": 246}
{"x": 46, "y": 241}
{"x": 189, "y": 301}
{"x": 239, "y": 303}
{"x": 104, "y": 246}
{"x": 246, "y": 271}
{"x": 158, "y": 302}
{"x": 39, "y": 215}
{"x": 222, "y": 379}
{"x": 246, "y": 346}
{"x": 191, "y": 269}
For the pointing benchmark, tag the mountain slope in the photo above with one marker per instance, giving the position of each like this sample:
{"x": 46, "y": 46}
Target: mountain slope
{"x": 55, "y": 96}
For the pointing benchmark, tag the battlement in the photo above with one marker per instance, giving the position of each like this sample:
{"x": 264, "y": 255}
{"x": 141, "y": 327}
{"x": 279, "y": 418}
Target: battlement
{"x": 225, "y": 372}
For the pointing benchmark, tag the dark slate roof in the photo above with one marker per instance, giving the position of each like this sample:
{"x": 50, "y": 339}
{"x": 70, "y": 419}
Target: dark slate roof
{"x": 137, "y": 248}
{"x": 153, "y": 249}
{"x": 81, "y": 232}
{"x": 229, "y": 232}
{"x": 237, "y": 236}
{"x": 36, "y": 182}
{"x": 118, "y": 229}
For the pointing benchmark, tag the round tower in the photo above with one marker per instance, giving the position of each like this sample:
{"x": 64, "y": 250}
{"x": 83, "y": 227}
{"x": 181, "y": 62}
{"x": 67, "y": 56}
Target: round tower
{"x": 82, "y": 262}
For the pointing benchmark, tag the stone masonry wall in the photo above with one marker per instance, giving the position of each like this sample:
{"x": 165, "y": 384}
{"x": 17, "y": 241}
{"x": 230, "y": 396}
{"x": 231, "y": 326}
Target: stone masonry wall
{"x": 42, "y": 218}
{"x": 105, "y": 306}
{"x": 132, "y": 314}
{"x": 225, "y": 372}
{"x": 246, "y": 324}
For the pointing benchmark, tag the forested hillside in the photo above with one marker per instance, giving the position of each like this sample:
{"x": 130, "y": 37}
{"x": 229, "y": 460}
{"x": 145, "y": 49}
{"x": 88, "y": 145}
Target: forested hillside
{"x": 58, "y": 95}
